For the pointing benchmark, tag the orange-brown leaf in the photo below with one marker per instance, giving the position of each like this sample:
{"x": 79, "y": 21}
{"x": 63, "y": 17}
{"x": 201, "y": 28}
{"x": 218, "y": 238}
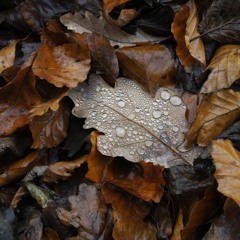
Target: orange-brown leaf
{"x": 227, "y": 162}
{"x": 109, "y": 5}
{"x": 217, "y": 112}
{"x": 17, "y": 98}
{"x": 65, "y": 65}
{"x": 151, "y": 65}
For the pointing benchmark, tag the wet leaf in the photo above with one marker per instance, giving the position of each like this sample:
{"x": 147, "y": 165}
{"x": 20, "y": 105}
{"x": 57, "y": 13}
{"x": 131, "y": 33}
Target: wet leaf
{"x": 128, "y": 215}
{"x": 227, "y": 162}
{"x": 65, "y": 65}
{"x": 105, "y": 59}
{"x": 221, "y": 22}
{"x": 227, "y": 225}
{"x": 7, "y": 223}
{"x": 184, "y": 28}
{"x": 62, "y": 170}
{"x": 20, "y": 168}
{"x": 50, "y": 234}
{"x": 178, "y": 227}
{"x": 116, "y": 36}
{"x": 17, "y": 98}
{"x": 50, "y": 128}
{"x": 224, "y": 69}
{"x": 88, "y": 210}
{"x": 217, "y": 112}
{"x": 109, "y": 5}
{"x": 7, "y": 56}
{"x": 150, "y": 65}
{"x": 137, "y": 126}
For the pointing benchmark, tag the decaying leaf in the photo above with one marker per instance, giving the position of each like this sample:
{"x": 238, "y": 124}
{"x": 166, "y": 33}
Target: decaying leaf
{"x": 217, "y": 112}
{"x": 17, "y": 98}
{"x": 221, "y": 22}
{"x": 224, "y": 69}
{"x": 65, "y": 65}
{"x": 7, "y": 56}
{"x": 109, "y": 5}
{"x": 150, "y": 65}
{"x": 136, "y": 126}
{"x": 227, "y": 161}
{"x": 116, "y": 36}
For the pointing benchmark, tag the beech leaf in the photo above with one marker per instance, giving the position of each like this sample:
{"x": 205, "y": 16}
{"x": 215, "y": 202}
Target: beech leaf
{"x": 136, "y": 126}
{"x": 216, "y": 112}
{"x": 224, "y": 69}
{"x": 90, "y": 23}
{"x": 227, "y": 162}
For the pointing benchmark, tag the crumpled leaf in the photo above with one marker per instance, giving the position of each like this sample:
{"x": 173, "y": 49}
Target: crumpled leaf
{"x": 217, "y": 112}
{"x": 227, "y": 162}
{"x": 227, "y": 225}
{"x": 88, "y": 211}
{"x": 109, "y": 5}
{"x": 150, "y": 65}
{"x": 116, "y": 36}
{"x": 221, "y": 22}
{"x": 191, "y": 53}
{"x": 64, "y": 65}
{"x": 105, "y": 59}
{"x": 7, "y": 56}
{"x": 224, "y": 69}
{"x": 136, "y": 126}
{"x": 50, "y": 129}
{"x": 128, "y": 214}
{"x": 17, "y": 98}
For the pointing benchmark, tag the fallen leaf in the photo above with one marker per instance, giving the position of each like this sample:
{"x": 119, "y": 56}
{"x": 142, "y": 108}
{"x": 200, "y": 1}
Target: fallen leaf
{"x": 9, "y": 73}
{"x": 50, "y": 128}
{"x": 109, "y": 5}
{"x": 216, "y": 112}
{"x": 144, "y": 181}
{"x": 227, "y": 225}
{"x": 137, "y": 126}
{"x": 105, "y": 59}
{"x": 8, "y": 222}
{"x": 224, "y": 69}
{"x": 178, "y": 227}
{"x": 49, "y": 234}
{"x": 150, "y": 65}
{"x": 7, "y": 56}
{"x": 128, "y": 216}
{"x": 17, "y": 98}
{"x": 227, "y": 162}
{"x": 221, "y": 22}
{"x": 183, "y": 28}
{"x": 62, "y": 170}
{"x": 96, "y": 161}
{"x": 20, "y": 168}
{"x": 64, "y": 65}
{"x": 116, "y": 36}
{"x": 88, "y": 211}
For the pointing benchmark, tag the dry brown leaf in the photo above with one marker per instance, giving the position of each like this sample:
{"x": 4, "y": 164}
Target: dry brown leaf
{"x": 20, "y": 168}
{"x": 116, "y": 36}
{"x": 184, "y": 28}
{"x": 50, "y": 128}
{"x": 178, "y": 227}
{"x": 49, "y": 234}
{"x": 216, "y": 112}
{"x": 109, "y": 5}
{"x": 224, "y": 69}
{"x": 96, "y": 161}
{"x": 227, "y": 162}
{"x": 64, "y": 65}
{"x": 128, "y": 214}
{"x": 151, "y": 65}
{"x": 62, "y": 170}
{"x": 17, "y": 98}
{"x": 7, "y": 56}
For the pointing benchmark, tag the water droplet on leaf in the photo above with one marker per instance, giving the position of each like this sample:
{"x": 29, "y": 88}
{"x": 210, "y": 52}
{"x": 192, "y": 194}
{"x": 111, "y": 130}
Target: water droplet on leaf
{"x": 121, "y": 104}
{"x": 120, "y": 132}
{"x": 165, "y": 95}
{"x": 175, "y": 101}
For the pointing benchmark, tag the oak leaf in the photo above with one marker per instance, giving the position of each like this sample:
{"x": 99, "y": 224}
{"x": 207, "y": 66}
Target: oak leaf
{"x": 224, "y": 69}
{"x": 116, "y": 36}
{"x": 150, "y": 65}
{"x": 136, "y": 126}
{"x": 216, "y": 112}
{"x": 109, "y": 5}
{"x": 227, "y": 162}
{"x": 17, "y": 98}
{"x": 64, "y": 65}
